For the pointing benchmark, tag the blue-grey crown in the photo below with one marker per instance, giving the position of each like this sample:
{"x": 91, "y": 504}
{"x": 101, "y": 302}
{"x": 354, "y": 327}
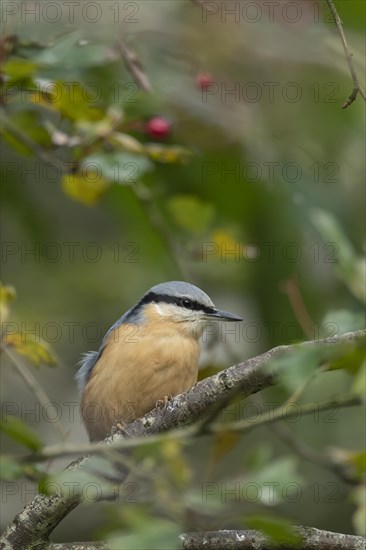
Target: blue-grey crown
{"x": 179, "y": 289}
{"x": 179, "y": 293}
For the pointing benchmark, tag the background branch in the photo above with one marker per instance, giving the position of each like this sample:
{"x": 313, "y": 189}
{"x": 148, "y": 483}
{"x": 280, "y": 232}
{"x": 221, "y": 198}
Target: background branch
{"x": 33, "y": 385}
{"x": 313, "y": 539}
{"x": 242, "y": 426}
{"x": 357, "y": 89}
{"x": 134, "y": 66}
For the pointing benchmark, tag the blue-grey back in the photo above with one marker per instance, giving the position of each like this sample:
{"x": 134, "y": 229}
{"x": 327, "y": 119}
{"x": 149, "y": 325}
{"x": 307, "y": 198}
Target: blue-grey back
{"x": 91, "y": 358}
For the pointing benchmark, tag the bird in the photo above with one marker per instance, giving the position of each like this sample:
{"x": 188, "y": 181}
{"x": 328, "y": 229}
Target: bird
{"x": 149, "y": 355}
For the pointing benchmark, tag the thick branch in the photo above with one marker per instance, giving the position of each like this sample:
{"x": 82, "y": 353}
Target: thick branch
{"x": 32, "y": 527}
{"x": 312, "y": 539}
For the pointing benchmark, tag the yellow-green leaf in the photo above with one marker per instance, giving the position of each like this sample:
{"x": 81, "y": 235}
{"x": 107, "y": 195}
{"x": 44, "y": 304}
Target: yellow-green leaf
{"x": 178, "y": 467}
{"x": 224, "y": 443}
{"x": 36, "y": 352}
{"x": 19, "y": 69}
{"x": 165, "y": 154}
{"x": 190, "y": 213}
{"x": 7, "y": 295}
{"x": 69, "y": 100}
{"x": 127, "y": 142}
{"x": 276, "y": 528}
{"x": 85, "y": 188}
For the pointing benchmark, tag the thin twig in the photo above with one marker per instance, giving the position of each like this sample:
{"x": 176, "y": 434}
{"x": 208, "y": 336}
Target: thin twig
{"x": 313, "y": 455}
{"x": 156, "y": 220}
{"x": 36, "y": 149}
{"x": 243, "y": 426}
{"x": 290, "y": 287}
{"x": 34, "y": 386}
{"x": 357, "y": 89}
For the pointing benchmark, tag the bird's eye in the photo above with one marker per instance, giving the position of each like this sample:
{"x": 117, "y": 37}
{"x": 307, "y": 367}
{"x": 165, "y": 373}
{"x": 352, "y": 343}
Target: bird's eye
{"x": 186, "y": 303}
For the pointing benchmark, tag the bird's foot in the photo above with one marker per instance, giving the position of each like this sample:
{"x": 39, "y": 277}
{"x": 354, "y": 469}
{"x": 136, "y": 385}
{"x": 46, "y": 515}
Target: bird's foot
{"x": 163, "y": 403}
{"x": 120, "y": 428}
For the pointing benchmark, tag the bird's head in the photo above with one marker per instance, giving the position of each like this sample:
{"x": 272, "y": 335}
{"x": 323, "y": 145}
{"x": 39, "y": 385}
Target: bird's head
{"x": 181, "y": 303}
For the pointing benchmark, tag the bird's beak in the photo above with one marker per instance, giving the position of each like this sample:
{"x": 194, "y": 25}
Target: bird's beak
{"x": 223, "y": 316}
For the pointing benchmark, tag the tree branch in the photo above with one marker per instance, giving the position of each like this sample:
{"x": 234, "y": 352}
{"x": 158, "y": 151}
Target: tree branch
{"x": 242, "y": 426}
{"x": 32, "y": 527}
{"x": 312, "y": 539}
{"x": 357, "y": 89}
{"x": 95, "y": 545}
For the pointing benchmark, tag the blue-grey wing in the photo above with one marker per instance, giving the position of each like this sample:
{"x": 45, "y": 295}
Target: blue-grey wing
{"x": 91, "y": 358}
{"x": 87, "y": 364}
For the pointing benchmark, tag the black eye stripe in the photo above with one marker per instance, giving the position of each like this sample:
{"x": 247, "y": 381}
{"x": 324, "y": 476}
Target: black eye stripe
{"x": 152, "y": 297}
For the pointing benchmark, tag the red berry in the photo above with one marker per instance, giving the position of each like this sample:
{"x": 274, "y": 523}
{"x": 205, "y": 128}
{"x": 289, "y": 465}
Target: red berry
{"x": 203, "y": 80}
{"x": 158, "y": 127}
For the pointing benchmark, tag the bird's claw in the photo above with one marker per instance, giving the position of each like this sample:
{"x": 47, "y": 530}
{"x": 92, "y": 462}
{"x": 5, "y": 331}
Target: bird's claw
{"x": 163, "y": 403}
{"x": 120, "y": 428}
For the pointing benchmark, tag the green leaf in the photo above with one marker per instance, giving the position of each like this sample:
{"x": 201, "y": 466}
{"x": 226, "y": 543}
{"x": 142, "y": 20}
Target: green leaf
{"x": 297, "y": 366}
{"x": 29, "y": 122}
{"x": 20, "y": 432}
{"x": 351, "y": 267}
{"x": 209, "y": 496}
{"x": 276, "y": 528}
{"x": 119, "y": 167}
{"x": 9, "y": 469}
{"x": 344, "y": 320}
{"x": 350, "y": 360}
{"x": 16, "y": 143}
{"x": 190, "y": 213}
{"x": 70, "y": 52}
{"x": 276, "y": 479}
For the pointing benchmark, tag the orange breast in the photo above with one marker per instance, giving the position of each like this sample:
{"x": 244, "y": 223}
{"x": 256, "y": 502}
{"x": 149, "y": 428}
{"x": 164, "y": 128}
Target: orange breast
{"x": 139, "y": 366}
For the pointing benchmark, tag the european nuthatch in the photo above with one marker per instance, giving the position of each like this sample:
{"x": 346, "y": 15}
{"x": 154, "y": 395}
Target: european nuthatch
{"x": 150, "y": 353}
